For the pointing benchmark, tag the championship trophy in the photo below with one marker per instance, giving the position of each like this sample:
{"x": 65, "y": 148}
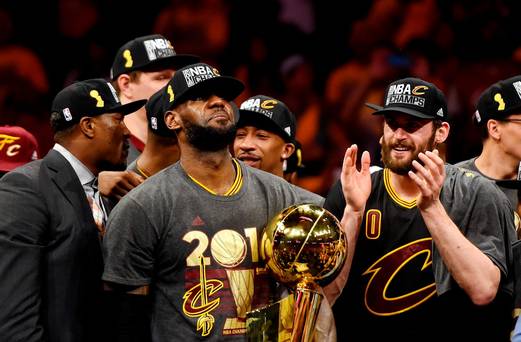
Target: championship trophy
{"x": 304, "y": 247}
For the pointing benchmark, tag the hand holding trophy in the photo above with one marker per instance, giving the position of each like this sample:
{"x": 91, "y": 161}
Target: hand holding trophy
{"x": 303, "y": 246}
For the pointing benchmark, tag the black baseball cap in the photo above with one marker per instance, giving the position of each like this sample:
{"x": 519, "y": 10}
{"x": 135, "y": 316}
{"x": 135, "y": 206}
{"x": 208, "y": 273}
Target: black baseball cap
{"x": 415, "y": 97}
{"x": 156, "y": 115}
{"x": 90, "y": 98}
{"x": 499, "y": 100}
{"x": 148, "y": 51}
{"x": 271, "y": 114}
{"x": 199, "y": 79}
{"x": 294, "y": 162}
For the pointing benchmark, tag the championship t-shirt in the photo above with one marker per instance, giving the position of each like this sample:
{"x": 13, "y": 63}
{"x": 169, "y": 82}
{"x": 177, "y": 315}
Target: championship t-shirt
{"x": 198, "y": 252}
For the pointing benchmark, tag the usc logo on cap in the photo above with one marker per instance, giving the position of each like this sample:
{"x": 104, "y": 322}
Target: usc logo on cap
{"x": 11, "y": 150}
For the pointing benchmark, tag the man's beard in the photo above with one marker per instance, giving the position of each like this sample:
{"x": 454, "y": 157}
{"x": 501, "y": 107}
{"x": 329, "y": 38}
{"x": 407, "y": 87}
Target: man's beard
{"x": 403, "y": 166}
{"x": 208, "y": 138}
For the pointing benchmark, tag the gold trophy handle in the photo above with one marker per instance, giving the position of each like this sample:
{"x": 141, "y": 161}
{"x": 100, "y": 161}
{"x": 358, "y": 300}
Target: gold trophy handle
{"x": 307, "y": 306}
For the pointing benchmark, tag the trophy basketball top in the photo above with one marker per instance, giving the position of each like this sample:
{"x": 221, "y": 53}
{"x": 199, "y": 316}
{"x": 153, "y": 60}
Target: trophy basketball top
{"x": 304, "y": 244}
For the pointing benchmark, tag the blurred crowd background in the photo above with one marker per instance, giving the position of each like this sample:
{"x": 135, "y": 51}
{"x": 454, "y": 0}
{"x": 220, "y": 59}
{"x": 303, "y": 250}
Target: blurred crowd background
{"x": 322, "y": 59}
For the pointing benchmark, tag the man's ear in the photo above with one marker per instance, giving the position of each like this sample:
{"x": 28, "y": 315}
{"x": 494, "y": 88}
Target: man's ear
{"x": 494, "y": 129}
{"x": 173, "y": 120}
{"x": 124, "y": 86}
{"x": 87, "y": 126}
{"x": 442, "y": 133}
{"x": 287, "y": 151}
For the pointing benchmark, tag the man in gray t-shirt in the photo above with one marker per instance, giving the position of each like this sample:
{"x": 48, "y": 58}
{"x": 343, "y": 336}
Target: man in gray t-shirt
{"x": 498, "y": 116}
{"x": 191, "y": 233}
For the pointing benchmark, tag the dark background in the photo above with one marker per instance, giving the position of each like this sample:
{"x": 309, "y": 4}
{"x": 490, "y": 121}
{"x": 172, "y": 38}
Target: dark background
{"x": 323, "y": 61}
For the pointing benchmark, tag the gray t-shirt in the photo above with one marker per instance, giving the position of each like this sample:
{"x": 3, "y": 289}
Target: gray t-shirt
{"x": 198, "y": 252}
{"x": 512, "y": 194}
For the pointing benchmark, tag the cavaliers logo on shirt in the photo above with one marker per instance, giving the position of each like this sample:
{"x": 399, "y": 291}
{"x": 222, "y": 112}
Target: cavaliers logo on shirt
{"x": 387, "y": 270}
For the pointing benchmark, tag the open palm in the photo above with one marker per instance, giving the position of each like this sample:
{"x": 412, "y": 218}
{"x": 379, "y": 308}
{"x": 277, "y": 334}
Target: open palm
{"x": 356, "y": 185}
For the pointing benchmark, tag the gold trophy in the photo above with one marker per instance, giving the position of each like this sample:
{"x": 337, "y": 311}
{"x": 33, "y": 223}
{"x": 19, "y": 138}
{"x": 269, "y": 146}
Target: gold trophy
{"x": 303, "y": 246}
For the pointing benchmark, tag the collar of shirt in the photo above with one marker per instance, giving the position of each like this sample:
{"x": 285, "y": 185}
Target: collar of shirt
{"x": 84, "y": 174}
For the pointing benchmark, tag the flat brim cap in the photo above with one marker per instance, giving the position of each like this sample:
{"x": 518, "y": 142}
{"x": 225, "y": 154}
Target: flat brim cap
{"x": 224, "y": 86}
{"x": 415, "y": 97}
{"x": 200, "y": 79}
{"x": 90, "y": 98}
{"x": 148, "y": 52}
{"x": 255, "y": 119}
{"x": 172, "y": 62}
{"x": 127, "y": 108}
{"x": 379, "y": 110}
{"x": 271, "y": 113}
{"x": 498, "y": 101}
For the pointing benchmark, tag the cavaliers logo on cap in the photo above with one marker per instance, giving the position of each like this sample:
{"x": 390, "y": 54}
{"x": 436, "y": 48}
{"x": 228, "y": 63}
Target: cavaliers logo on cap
{"x": 419, "y": 90}
{"x": 128, "y": 58}
{"x": 268, "y": 104}
{"x": 255, "y": 105}
{"x": 95, "y": 95}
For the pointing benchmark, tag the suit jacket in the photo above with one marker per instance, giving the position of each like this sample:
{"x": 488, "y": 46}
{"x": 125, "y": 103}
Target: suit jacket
{"x": 50, "y": 256}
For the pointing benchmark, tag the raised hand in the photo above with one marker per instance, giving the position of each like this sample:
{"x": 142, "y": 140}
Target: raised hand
{"x": 356, "y": 185}
{"x": 429, "y": 177}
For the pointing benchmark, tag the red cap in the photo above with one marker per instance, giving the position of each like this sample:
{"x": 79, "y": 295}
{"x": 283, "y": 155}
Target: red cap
{"x": 17, "y": 147}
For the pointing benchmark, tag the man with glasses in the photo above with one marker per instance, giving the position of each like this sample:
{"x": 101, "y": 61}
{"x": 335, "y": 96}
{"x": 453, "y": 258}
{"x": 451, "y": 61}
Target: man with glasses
{"x": 498, "y": 115}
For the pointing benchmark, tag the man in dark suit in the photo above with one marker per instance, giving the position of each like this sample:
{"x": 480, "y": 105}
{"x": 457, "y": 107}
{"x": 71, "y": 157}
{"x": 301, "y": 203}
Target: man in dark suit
{"x": 52, "y": 221}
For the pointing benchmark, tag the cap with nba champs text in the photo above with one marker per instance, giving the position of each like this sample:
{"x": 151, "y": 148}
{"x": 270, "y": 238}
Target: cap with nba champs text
{"x": 271, "y": 113}
{"x": 200, "y": 80}
{"x": 148, "y": 51}
{"x": 415, "y": 97}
